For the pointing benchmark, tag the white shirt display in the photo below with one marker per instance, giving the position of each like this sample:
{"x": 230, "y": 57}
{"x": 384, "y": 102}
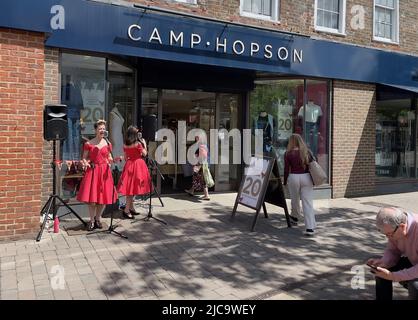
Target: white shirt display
{"x": 116, "y": 135}
{"x": 313, "y": 112}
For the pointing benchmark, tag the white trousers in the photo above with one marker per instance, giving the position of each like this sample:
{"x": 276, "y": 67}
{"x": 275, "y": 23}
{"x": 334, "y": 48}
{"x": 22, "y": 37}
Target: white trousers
{"x": 301, "y": 187}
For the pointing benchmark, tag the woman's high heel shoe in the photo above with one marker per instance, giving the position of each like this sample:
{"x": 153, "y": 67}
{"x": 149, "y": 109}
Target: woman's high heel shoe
{"x": 90, "y": 226}
{"x": 133, "y": 212}
{"x": 126, "y": 215}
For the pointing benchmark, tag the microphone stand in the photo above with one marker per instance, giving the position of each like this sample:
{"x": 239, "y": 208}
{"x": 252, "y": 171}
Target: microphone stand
{"x": 111, "y": 228}
{"x": 151, "y": 165}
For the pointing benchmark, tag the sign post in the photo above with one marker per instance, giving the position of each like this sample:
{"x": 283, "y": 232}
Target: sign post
{"x": 261, "y": 183}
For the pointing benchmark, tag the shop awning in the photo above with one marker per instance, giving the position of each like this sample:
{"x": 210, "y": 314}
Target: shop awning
{"x": 405, "y": 88}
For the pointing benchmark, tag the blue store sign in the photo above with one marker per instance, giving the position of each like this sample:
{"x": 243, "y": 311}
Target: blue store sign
{"x": 100, "y": 27}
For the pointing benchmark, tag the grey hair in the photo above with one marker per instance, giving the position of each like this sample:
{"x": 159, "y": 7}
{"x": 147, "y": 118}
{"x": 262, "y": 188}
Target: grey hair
{"x": 390, "y": 216}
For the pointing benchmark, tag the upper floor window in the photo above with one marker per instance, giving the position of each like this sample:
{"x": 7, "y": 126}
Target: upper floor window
{"x": 386, "y": 20}
{"x": 260, "y": 9}
{"x": 330, "y": 16}
{"x": 187, "y": 1}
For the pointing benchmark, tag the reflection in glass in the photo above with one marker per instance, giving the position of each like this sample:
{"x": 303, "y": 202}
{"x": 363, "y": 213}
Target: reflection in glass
{"x": 83, "y": 91}
{"x": 121, "y": 105}
{"x": 395, "y": 137}
{"x": 227, "y": 177}
{"x": 197, "y": 110}
{"x": 278, "y": 108}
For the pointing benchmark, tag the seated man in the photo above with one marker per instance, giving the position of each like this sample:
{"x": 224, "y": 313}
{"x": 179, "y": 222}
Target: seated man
{"x": 400, "y": 258}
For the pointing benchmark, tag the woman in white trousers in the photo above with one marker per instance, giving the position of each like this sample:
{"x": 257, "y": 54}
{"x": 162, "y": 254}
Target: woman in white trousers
{"x": 298, "y": 179}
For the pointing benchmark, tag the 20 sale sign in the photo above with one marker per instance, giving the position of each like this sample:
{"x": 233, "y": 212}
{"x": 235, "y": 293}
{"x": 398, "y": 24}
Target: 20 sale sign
{"x": 255, "y": 179}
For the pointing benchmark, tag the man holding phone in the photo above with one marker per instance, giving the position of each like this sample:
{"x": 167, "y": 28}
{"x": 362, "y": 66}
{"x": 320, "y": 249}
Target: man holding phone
{"x": 400, "y": 259}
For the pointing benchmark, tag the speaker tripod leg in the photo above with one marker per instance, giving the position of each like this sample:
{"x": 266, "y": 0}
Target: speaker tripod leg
{"x": 46, "y": 217}
{"x": 72, "y": 211}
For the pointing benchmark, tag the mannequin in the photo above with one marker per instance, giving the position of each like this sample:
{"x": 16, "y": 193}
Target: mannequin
{"x": 71, "y": 96}
{"x": 267, "y": 123}
{"x": 116, "y": 135}
{"x": 312, "y": 116}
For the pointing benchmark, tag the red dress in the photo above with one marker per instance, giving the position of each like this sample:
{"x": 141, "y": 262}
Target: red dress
{"x": 97, "y": 184}
{"x": 135, "y": 178}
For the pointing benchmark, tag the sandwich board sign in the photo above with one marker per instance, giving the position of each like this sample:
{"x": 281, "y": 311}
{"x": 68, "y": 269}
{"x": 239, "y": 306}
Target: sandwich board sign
{"x": 260, "y": 176}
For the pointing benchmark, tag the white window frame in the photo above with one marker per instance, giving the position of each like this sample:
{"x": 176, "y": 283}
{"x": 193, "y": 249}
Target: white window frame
{"x": 395, "y": 26}
{"x": 186, "y": 1}
{"x": 341, "y": 21}
{"x": 274, "y": 17}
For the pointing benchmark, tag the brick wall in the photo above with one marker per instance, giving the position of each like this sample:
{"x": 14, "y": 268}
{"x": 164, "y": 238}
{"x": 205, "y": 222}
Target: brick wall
{"x": 21, "y": 102}
{"x": 298, "y": 16}
{"x": 52, "y": 90}
{"x": 353, "y": 139}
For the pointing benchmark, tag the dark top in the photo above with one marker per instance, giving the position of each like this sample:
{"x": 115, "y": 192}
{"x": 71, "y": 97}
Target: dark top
{"x": 263, "y": 123}
{"x": 71, "y": 96}
{"x": 293, "y": 164}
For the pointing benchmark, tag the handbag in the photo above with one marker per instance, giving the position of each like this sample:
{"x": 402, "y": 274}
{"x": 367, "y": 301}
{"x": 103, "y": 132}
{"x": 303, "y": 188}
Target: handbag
{"x": 318, "y": 174}
{"x": 207, "y": 176}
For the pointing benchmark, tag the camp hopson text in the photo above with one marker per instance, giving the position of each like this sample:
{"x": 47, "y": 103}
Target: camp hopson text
{"x": 221, "y": 44}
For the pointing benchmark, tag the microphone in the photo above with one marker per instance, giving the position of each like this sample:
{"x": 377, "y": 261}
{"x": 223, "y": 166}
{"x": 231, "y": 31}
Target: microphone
{"x": 105, "y": 134}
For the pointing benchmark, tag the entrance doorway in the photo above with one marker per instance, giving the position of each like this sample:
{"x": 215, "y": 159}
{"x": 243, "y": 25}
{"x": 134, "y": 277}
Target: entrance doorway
{"x": 199, "y": 110}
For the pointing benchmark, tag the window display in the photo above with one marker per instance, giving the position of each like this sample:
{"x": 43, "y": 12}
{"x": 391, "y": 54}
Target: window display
{"x": 83, "y": 91}
{"x": 279, "y": 108}
{"x": 395, "y": 138}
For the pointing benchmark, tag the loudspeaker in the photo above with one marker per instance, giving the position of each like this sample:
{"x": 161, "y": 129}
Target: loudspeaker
{"x": 149, "y": 127}
{"x": 55, "y": 122}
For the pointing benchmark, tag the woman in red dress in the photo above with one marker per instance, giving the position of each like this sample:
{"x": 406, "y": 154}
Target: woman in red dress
{"x": 135, "y": 178}
{"x": 96, "y": 188}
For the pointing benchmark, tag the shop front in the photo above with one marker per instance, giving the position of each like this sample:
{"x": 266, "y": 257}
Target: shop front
{"x": 354, "y": 106}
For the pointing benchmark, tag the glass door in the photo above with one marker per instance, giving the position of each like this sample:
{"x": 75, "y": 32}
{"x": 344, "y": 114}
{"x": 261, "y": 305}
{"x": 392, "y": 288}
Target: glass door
{"x": 197, "y": 110}
{"x": 228, "y": 117}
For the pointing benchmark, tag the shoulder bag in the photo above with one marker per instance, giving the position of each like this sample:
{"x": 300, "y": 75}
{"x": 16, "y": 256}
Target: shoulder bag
{"x": 318, "y": 174}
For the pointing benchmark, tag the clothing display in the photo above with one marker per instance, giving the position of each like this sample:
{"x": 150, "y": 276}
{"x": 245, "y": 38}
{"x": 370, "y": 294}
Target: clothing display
{"x": 72, "y": 98}
{"x": 116, "y": 122}
{"x": 135, "y": 178}
{"x": 266, "y": 123}
{"x": 312, "y": 117}
{"x": 97, "y": 183}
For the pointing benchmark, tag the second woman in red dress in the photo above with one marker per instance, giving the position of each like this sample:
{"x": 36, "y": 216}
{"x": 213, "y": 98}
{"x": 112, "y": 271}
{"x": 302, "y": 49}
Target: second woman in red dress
{"x": 135, "y": 178}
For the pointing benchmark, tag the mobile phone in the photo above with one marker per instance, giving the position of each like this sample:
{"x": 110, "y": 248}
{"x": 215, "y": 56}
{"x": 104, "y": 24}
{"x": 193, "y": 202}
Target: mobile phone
{"x": 372, "y": 266}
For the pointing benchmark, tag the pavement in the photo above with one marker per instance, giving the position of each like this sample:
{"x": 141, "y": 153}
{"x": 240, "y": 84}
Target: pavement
{"x": 201, "y": 255}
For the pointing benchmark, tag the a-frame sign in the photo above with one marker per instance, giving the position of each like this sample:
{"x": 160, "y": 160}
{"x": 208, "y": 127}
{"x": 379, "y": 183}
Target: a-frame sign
{"x": 261, "y": 183}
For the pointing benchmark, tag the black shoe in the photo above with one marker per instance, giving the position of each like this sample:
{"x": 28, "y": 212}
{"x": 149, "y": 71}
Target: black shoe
{"x": 309, "y": 232}
{"x": 126, "y": 215}
{"x": 91, "y": 226}
{"x": 133, "y": 212}
{"x": 294, "y": 220}
{"x": 98, "y": 224}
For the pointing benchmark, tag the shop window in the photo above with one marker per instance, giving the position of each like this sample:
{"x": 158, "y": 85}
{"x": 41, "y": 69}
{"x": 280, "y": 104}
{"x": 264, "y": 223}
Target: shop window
{"x": 330, "y": 16}
{"x": 314, "y": 116}
{"x": 84, "y": 92}
{"x": 395, "y": 134}
{"x": 149, "y": 107}
{"x": 260, "y": 9}
{"x": 386, "y": 20}
{"x": 279, "y": 109}
{"x": 121, "y": 105}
